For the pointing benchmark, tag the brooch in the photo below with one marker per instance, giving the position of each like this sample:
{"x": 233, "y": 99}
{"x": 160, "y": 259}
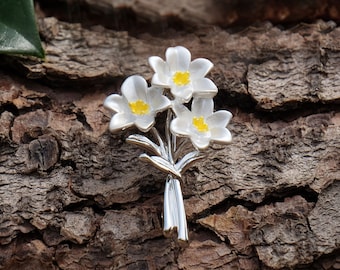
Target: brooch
{"x": 176, "y": 83}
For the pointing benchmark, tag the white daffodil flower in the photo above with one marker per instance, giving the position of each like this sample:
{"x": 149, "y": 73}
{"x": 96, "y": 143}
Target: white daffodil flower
{"x": 185, "y": 79}
{"x": 138, "y": 105}
{"x": 201, "y": 124}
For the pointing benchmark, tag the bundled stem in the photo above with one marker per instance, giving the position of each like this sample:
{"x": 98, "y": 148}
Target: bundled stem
{"x": 165, "y": 158}
{"x": 174, "y": 211}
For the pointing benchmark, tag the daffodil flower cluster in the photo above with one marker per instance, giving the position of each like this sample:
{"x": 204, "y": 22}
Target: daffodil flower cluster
{"x": 177, "y": 81}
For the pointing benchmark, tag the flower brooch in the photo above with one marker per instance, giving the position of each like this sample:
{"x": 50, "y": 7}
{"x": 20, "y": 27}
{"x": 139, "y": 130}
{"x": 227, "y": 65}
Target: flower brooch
{"x": 176, "y": 81}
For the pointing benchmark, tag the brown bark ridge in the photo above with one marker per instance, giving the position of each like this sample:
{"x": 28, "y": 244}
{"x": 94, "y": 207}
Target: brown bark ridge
{"x": 74, "y": 196}
{"x": 214, "y": 12}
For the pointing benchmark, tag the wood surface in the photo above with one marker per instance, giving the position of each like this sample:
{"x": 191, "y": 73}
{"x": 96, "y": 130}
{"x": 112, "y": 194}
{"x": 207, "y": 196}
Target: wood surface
{"x": 75, "y": 196}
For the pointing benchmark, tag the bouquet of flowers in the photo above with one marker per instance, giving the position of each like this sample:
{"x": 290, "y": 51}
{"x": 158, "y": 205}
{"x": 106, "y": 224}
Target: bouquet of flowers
{"x": 175, "y": 83}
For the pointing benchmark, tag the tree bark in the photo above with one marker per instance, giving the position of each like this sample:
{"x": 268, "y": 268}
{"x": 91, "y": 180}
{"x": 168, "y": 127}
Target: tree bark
{"x": 75, "y": 196}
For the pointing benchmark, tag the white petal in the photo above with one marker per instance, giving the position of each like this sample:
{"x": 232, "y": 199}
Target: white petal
{"x": 180, "y": 110}
{"x": 204, "y": 88}
{"x": 121, "y": 121}
{"x": 221, "y": 135}
{"x": 162, "y": 72}
{"x": 180, "y": 126}
{"x": 134, "y": 88}
{"x": 219, "y": 119}
{"x": 116, "y": 103}
{"x": 162, "y": 81}
{"x": 183, "y": 93}
{"x": 145, "y": 122}
{"x": 202, "y": 107}
{"x": 200, "y": 142}
{"x": 156, "y": 63}
{"x": 200, "y": 67}
{"x": 178, "y": 58}
{"x": 157, "y": 101}
{"x": 159, "y": 65}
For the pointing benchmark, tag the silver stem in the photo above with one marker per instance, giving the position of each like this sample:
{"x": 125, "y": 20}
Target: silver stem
{"x": 174, "y": 212}
{"x": 169, "y": 137}
{"x": 162, "y": 147}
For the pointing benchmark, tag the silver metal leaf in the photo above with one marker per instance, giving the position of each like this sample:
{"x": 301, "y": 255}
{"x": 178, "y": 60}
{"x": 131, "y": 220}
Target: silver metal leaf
{"x": 144, "y": 143}
{"x": 161, "y": 164}
{"x": 183, "y": 164}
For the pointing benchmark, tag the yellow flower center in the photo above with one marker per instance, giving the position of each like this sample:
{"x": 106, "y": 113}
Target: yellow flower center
{"x": 181, "y": 78}
{"x": 200, "y": 124}
{"x": 139, "y": 107}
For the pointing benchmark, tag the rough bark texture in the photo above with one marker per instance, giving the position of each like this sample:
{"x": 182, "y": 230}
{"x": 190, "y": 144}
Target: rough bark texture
{"x": 74, "y": 196}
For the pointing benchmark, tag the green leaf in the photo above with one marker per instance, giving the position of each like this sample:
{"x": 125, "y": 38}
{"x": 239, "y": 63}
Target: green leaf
{"x": 18, "y": 29}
